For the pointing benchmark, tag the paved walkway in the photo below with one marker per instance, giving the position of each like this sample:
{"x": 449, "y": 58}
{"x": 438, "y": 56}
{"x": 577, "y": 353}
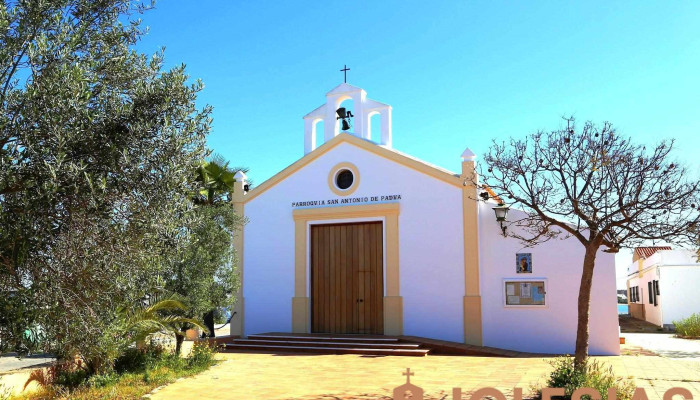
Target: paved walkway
{"x": 665, "y": 344}
{"x": 9, "y": 361}
{"x": 280, "y": 376}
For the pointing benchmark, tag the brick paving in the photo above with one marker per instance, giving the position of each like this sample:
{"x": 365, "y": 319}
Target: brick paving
{"x": 306, "y": 377}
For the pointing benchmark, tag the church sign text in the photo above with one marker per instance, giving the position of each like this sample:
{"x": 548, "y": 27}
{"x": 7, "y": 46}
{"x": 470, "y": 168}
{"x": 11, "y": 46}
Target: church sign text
{"x": 347, "y": 201}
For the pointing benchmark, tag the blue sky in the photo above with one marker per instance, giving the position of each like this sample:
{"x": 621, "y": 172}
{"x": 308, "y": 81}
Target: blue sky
{"x": 457, "y": 73}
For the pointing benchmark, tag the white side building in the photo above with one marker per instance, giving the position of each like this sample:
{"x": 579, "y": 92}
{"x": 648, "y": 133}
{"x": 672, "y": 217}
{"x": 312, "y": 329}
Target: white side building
{"x": 662, "y": 285}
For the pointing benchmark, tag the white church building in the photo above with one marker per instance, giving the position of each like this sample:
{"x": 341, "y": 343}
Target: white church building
{"x": 356, "y": 237}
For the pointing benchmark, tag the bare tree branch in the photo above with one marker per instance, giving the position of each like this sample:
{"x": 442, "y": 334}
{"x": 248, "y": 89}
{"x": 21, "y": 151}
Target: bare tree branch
{"x": 623, "y": 193}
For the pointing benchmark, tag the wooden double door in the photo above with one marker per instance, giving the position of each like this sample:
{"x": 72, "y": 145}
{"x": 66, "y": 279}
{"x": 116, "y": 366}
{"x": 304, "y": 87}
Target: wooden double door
{"x": 347, "y": 278}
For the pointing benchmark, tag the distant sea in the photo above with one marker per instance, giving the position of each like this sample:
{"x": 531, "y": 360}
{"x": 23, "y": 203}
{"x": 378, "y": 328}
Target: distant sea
{"x": 623, "y": 309}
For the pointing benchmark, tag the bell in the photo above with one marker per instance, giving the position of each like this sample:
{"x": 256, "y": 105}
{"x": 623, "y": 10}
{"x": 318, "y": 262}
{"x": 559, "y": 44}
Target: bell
{"x": 344, "y": 115}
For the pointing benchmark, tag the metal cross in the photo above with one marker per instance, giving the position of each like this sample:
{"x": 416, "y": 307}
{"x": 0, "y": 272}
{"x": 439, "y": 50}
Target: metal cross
{"x": 408, "y": 375}
{"x": 345, "y": 73}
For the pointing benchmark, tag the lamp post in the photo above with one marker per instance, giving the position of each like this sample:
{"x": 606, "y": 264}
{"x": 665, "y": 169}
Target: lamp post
{"x": 501, "y": 215}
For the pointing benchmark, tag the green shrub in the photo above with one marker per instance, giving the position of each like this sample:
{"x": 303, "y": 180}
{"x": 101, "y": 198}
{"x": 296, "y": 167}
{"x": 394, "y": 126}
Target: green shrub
{"x": 66, "y": 374}
{"x": 137, "y": 371}
{"x": 98, "y": 381}
{"x": 153, "y": 357}
{"x": 137, "y": 360}
{"x": 172, "y": 361}
{"x": 202, "y": 356}
{"x": 71, "y": 378}
{"x": 688, "y": 327}
{"x": 593, "y": 375}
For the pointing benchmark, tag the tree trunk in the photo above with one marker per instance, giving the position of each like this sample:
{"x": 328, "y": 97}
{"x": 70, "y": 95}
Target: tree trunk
{"x": 179, "y": 338}
{"x": 584, "y": 306}
{"x": 209, "y": 323}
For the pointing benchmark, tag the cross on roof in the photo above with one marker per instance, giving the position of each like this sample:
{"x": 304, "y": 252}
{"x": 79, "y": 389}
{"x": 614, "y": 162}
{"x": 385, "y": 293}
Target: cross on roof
{"x": 408, "y": 375}
{"x": 345, "y": 73}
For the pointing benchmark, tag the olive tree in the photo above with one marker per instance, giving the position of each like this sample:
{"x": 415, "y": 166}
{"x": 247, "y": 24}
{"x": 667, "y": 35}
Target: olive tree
{"x": 596, "y": 186}
{"x": 204, "y": 273}
{"x": 97, "y": 147}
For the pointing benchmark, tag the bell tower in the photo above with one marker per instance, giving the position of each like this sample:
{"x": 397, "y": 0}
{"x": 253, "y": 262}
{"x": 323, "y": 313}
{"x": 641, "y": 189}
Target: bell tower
{"x": 364, "y": 110}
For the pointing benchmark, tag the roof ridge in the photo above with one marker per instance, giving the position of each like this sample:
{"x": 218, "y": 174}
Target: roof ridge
{"x": 421, "y": 166}
{"x": 648, "y": 251}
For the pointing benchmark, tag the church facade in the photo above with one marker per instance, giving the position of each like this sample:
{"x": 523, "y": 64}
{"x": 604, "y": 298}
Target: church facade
{"x": 356, "y": 237}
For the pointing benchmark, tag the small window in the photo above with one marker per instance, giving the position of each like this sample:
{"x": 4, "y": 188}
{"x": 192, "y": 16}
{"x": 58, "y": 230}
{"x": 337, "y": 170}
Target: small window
{"x": 654, "y": 291}
{"x": 344, "y": 179}
{"x": 634, "y": 294}
{"x": 525, "y": 293}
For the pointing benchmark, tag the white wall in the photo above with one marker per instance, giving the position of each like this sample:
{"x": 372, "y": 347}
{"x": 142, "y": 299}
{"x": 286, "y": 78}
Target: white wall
{"x": 678, "y": 288}
{"x": 430, "y": 250}
{"x": 268, "y": 262}
{"x": 551, "y": 329}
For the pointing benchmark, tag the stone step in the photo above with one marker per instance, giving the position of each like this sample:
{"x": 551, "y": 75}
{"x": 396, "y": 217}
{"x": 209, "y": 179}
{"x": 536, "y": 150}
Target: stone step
{"x": 331, "y": 338}
{"x": 312, "y": 348}
{"x": 321, "y": 343}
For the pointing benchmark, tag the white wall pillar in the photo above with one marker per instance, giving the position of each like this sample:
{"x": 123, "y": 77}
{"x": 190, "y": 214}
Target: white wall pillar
{"x": 237, "y": 327}
{"x": 358, "y": 99}
{"x": 309, "y": 135}
{"x": 385, "y": 120}
{"x": 367, "y": 117}
{"x": 330, "y": 123}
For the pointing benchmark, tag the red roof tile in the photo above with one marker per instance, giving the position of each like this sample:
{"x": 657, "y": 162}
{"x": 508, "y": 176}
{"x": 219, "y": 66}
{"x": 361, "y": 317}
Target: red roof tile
{"x": 646, "y": 252}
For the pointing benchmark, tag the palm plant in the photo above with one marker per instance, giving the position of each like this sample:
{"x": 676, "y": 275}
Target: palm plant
{"x": 131, "y": 325}
{"x": 216, "y": 179}
{"x": 216, "y": 184}
{"x": 136, "y": 321}
{"x": 153, "y": 315}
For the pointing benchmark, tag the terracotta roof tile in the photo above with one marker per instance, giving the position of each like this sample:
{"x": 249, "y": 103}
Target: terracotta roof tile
{"x": 646, "y": 252}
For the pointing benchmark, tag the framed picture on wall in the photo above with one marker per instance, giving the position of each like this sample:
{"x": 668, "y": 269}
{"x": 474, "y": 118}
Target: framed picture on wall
{"x": 538, "y": 295}
{"x": 525, "y": 292}
{"x": 523, "y": 263}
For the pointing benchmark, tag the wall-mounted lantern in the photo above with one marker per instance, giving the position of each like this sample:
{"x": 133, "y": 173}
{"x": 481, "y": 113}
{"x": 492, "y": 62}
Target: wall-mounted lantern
{"x": 501, "y": 216}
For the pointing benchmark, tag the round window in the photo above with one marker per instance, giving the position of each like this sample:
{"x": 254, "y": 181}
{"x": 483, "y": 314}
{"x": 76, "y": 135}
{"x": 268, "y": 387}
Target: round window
{"x": 344, "y": 179}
